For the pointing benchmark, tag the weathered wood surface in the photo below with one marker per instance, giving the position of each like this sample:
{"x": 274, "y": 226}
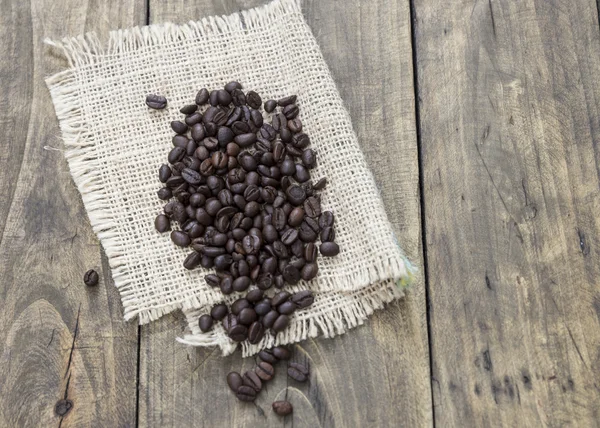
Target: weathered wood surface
{"x": 58, "y": 339}
{"x": 509, "y": 112}
{"x": 379, "y": 374}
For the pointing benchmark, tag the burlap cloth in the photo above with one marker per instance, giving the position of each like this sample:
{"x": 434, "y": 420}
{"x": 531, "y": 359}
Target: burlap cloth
{"x": 114, "y": 145}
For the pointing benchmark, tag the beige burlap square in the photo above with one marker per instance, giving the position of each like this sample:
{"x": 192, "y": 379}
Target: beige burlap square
{"x": 114, "y": 145}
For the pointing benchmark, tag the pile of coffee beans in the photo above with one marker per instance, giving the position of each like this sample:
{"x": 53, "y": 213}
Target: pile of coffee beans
{"x": 240, "y": 189}
{"x": 247, "y": 387}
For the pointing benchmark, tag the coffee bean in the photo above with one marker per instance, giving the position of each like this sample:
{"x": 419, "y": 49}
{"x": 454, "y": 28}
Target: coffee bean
{"x": 238, "y": 96}
{"x": 291, "y": 274}
{"x": 245, "y": 393}
{"x": 240, "y": 128}
{"x": 218, "y": 312}
{"x": 239, "y": 333}
{"x": 253, "y": 99}
{"x": 180, "y": 141}
{"x": 234, "y": 380}
{"x": 282, "y": 408}
{"x": 281, "y": 353}
{"x": 193, "y": 119}
{"x": 268, "y": 132}
{"x": 192, "y": 260}
{"x": 279, "y": 298}
{"x": 309, "y": 271}
{"x": 191, "y": 176}
{"x": 312, "y": 207}
{"x": 326, "y": 219}
{"x": 297, "y": 248}
{"x": 295, "y": 219}
{"x": 293, "y": 151}
{"x": 176, "y": 154}
{"x": 180, "y": 239}
{"x": 328, "y": 234}
{"x": 257, "y": 118}
{"x": 188, "y": 109}
{"x": 223, "y": 97}
{"x": 298, "y": 372}
{"x": 252, "y": 380}
{"x": 301, "y": 140}
{"x": 295, "y": 125}
{"x": 329, "y": 249}
{"x": 213, "y": 98}
{"x": 205, "y": 322}
{"x": 286, "y": 308}
{"x": 285, "y": 101}
{"x": 164, "y": 172}
{"x": 270, "y": 105}
{"x": 267, "y": 356}
{"x": 233, "y": 85}
{"x": 255, "y": 295}
{"x": 270, "y": 318}
{"x": 280, "y": 323}
{"x": 162, "y": 223}
{"x": 280, "y": 250}
{"x": 298, "y": 264}
{"x": 256, "y": 332}
{"x": 156, "y": 102}
{"x": 302, "y": 175}
{"x": 263, "y": 307}
{"x": 245, "y": 140}
{"x": 212, "y": 280}
{"x": 295, "y": 194}
{"x": 238, "y": 305}
{"x": 278, "y": 280}
{"x": 264, "y": 370}
{"x": 241, "y": 284}
{"x": 290, "y": 111}
{"x": 309, "y": 158}
{"x": 312, "y": 223}
{"x": 310, "y": 252}
{"x": 226, "y": 285}
{"x": 247, "y": 316}
{"x": 202, "y": 97}
{"x": 91, "y": 278}
{"x": 306, "y": 233}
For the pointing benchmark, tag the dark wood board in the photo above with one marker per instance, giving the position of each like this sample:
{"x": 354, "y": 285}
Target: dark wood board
{"x": 509, "y": 104}
{"x": 378, "y": 375}
{"x": 59, "y": 339}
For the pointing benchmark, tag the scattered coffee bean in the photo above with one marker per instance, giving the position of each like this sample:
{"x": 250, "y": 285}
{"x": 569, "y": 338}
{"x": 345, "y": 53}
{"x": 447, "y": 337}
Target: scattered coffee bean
{"x": 281, "y": 353}
{"x": 252, "y": 380}
{"x": 329, "y": 249}
{"x": 246, "y": 393}
{"x": 91, "y": 278}
{"x": 298, "y": 372}
{"x": 267, "y": 356}
{"x": 282, "y": 408}
{"x": 205, "y": 323}
{"x": 234, "y": 380}
{"x": 156, "y": 102}
{"x": 162, "y": 223}
{"x": 218, "y": 312}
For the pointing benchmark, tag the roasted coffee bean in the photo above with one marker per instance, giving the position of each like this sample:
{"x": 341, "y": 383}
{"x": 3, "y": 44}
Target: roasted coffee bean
{"x": 276, "y": 122}
{"x": 312, "y": 223}
{"x": 306, "y": 233}
{"x": 238, "y": 305}
{"x": 285, "y": 101}
{"x": 247, "y": 316}
{"x": 268, "y": 132}
{"x": 281, "y": 353}
{"x": 310, "y": 252}
{"x": 241, "y": 284}
{"x": 256, "y": 332}
{"x": 192, "y": 260}
{"x": 212, "y": 280}
{"x": 264, "y": 370}
{"x": 312, "y": 207}
{"x": 179, "y": 127}
{"x": 263, "y": 307}
{"x": 320, "y": 184}
{"x": 211, "y": 130}
{"x": 252, "y": 177}
{"x": 164, "y": 193}
{"x": 309, "y": 158}
{"x": 238, "y": 96}
{"x": 157, "y": 102}
{"x": 233, "y": 116}
{"x": 287, "y": 208}
{"x": 328, "y": 234}
{"x": 226, "y": 198}
{"x": 302, "y": 175}
{"x": 269, "y": 265}
{"x": 245, "y": 393}
{"x": 191, "y": 176}
{"x": 188, "y": 109}
{"x": 251, "y": 244}
{"x": 295, "y": 219}
{"x": 253, "y": 100}
{"x": 214, "y": 98}
{"x": 297, "y": 248}
{"x": 223, "y": 261}
{"x": 91, "y": 278}
{"x": 239, "y": 333}
{"x": 270, "y": 105}
{"x": 233, "y": 85}
{"x": 254, "y": 295}
{"x": 205, "y": 322}
{"x": 301, "y": 140}
{"x": 176, "y": 154}
{"x": 206, "y": 167}
{"x": 180, "y": 238}
{"x": 226, "y": 285}
{"x": 252, "y": 380}
{"x": 219, "y": 160}
{"x": 288, "y": 167}
{"x": 279, "y": 298}
{"x": 218, "y": 312}
{"x": 281, "y": 323}
{"x": 279, "y": 219}
{"x": 162, "y": 223}
{"x": 267, "y": 356}
{"x": 293, "y": 151}
{"x": 224, "y": 97}
{"x": 280, "y": 250}
{"x": 164, "y": 173}
{"x": 193, "y": 119}
{"x": 202, "y": 153}
{"x": 234, "y": 380}
{"x": 179, "y": 212}
{"x": 329, "y": 249}
{"x": 282, "y": 408}
{"x": 291, "y": 274}
{"x": 257, "y": 118}
{"x": 298, "y": 263}
{"x": 203, "y": 217}
{"x": 295, "y": 125}
{"x": 240, "y": 128}
{"x": 230, "y": 321}
{"x": 202, "y": 96}
{"x": 286, "y": 308}
{"x": 252, "y": 209}
{"x": 245, "y": 140}
{"x": 184, "y": 198}
{"x": 247, "y": 162}
{"x": 252, "y": 193}
{"x": 295, "y": 194}
{"x": 298, "y": 372}
{"x": 210, "y": 143}
{"x": 309, "y": 271}
{"x": 270, "y": 318}
{"x": 290, "y": 111}
{"x": 326, "y": 219}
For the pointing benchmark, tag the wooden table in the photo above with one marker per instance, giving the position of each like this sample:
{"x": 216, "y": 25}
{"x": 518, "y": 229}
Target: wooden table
{"x": 480, "y": 121}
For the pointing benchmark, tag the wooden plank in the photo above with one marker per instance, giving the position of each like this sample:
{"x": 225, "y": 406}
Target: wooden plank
{"x": 58, "y": 340}
{"x": 509, "y": 117}
{"x": 378, "y": 375}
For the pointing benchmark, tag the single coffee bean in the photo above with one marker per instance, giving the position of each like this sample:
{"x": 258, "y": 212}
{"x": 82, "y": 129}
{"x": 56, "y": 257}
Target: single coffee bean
{"x": 230, "y": 321}
{"x": 257, "y": 118}
{"x": 239, "y": 333}
{"x": 91, "y": 278}
{"x": 223, "y": 262}
{"x": 264, "y": 370}
{"x": 192, "y": 260}
{"x": 240, "y": 128}
{"x": 193, "y": 119}
{"x": 291, "y": 274}
{"x": 245, "y": 140}
{"x": 282, "y": 408}
{"x": 191, "y": 176}
{"x": 312, "y": 207}
{"x": 312, "y": 223}
{"x": 329, "y": 249}
{"x": 326, "y": 219}
{"x": 310, "y": 252}
{"x": 176, "y": 154}
{"x": 253, "y": 100}
{"x": 218, "y": 312}
{"x": 285, "y": 101}
{"x": 164, "y": 172}
{"x": 226, "y": 285}
{"x": 298, "y": 372}
{"x": 241, "y": 284}
{"x": 234, "y": 115}
{"x": 288, "y": 167}
{"x": 267, "y": 356}
{"x": 309, "y": 271}
{"x": 281, "y": 323}
{"x": 251, "y": 244}
{"x": 256, "y": 332}
{"x": 306, "y": 233}
{"x": 309, "y": 158}
{"x": 213, "y": 98}
{"x": 255, "y": 295}
{"x": 295, "y": 218}
{"x": 238, "y": 305}
{"x": 293, "y": 151}
{"x": 328, "y": 234}
{"x": 286, "y": 308}
{"x": 188, "y": 109}
{"x": 302, "y": 175}
{"x": 162, "y": 223}
{"x": 202, "y": 96}
{"x": 157, "y": 102}
{"x": 298, "y": 264}
{"x": 234, "y": 380}
{"x": 301, "y": 140}
{"x": 295, "y": 125}
{"x": 252, "y": 380}
{"x": 279, "y": 298}
{"x": 205, "y": 322}
{"x": 179, "y": 127}
{"x": 290, "y": 111}
{"x": 180, "y": 238}
{"x": 295, "y": 194}
{"x": 269, "y": 265}
{"x": 278, "y": 281}
{"x": 263, "y": 307}
{"x": 245, "y": 393}
{"x": 285, "y": 135}
{"x": 212, "y": 280}
{"x": 238, "y": 97}
{"x": 270, "y": 105}
{"x": 320, "y": 184}
{"x": 270, "y": 318}
{"x": 281, "y": 353}
{"x": 223, "y": 97}
{"x": 247, "y": 316}
{"x": 233, "y": 85}
{"x": 280, "y": 250}
{"x": 268, "y": 132}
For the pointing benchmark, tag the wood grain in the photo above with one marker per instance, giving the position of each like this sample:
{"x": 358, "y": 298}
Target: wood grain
{"x": 379, "y": 374}
{"x": 509, "y": 117}
{"x": 59, "y": 339}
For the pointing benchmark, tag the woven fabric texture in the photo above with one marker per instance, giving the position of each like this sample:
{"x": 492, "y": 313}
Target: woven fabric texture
{"x": 114, "y": 145}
